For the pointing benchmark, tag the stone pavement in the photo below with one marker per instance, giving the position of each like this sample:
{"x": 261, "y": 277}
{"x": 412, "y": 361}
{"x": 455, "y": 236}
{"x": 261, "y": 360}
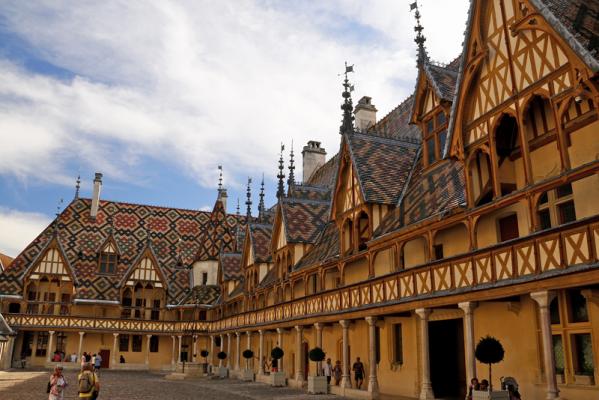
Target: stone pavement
{"x": 129, "y": 385}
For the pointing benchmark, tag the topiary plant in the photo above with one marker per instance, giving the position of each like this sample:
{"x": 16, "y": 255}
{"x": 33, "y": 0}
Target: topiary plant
{"x": 247, "y": 354}
{"x": 489, "y": 351}
{"x": 204, "y": 353}
{"x": 277, "y": 353}
{"x": 317, "y": 355}
{"x": 221, "y": 355}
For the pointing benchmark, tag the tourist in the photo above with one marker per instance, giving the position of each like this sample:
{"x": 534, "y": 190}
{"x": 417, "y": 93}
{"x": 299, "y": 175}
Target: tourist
{"x": 122, "y": 359}
{"x": 89, "y": 385}
{"x": 274, "y": 364}
{"x": 97, "y": 362}
{"x": 83, "y": 360}
{"x": 358, "y": 369}
{"x": 337, "y": 371}
{"x": 327, "y": 370}
{"x": 56, "y": 357}
{"x": 484, "y": 385}
{"x": 93, "y": 360}
{"x": 73, "y": 357}
{"x": 57, "y": 384}
{"x": 88, "y": 357}
{"x": 265, "y": 365}
{"x": 473, "y": 386}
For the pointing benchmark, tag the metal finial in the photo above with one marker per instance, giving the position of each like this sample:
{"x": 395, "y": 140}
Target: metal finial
{"x": 238, "y": 206}
{"x": 261, "y": 203}
{"x": 220, "y": 178}
{"x": 57, "y": 215}
{"x": 77, "y": 187}
{"x": 291, "y": 179}
{"x": 248, "y": 202}
{"x": 419, "y": 39}
{"x": 347, "y": 123}
{"x": 281, "y": 175}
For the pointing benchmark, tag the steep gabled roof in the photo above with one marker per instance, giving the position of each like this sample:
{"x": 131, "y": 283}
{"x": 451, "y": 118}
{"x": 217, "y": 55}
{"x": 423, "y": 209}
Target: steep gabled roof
{"x": 4, "y": 261}
{"x": 308, "y": 192}
{"x": 326, "y": 248}
{"x": 443, "y": 80}
{"x": 219, "y": 237}
{"x": 230, "y": 264}
{"x": 395, "y": 125}
{"x": 303, "y": 219}
{"x": 202, "y": 295}
{"x": 269, "y": 278}
{"x": 260, "y": 238}
{"x": 325, "y": 175}
{"x": 382, "y": 166}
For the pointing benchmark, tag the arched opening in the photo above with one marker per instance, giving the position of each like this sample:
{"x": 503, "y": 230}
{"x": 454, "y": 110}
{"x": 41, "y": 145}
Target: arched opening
{"x": 331, "y": 278}
{"x": 356, "y": 271}
{"x": 312, "y": 284}
{"x": 299, "y": 289}
{"x": 287, "y": 293}
{"x": 506, "y": 144}
{"x": 581, "y": 131}
{"x": 126, "y": 301}
{"x": 504, "y": 224}
{"x": 384, "y": 262}
{"x": 363, "y": 230}
{"x": 414, "y": 252}
{"x": 347, "y": 236}
{"x": 539, "y": 128}
{"x": 450, "y": 241}
{"x": 480, "y": 176}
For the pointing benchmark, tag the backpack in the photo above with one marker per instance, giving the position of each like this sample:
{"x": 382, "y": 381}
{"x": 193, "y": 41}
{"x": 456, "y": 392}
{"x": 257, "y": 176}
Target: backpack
{"x": 86, "y": 383}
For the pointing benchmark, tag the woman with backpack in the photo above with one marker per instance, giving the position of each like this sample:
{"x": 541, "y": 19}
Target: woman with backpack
{"x": 57, "y": 384}
{"x": 89, "y": 385}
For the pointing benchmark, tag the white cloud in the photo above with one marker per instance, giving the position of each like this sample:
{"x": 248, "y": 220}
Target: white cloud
{"x": 200, "y": 83}
{"x": 18, "y": 229}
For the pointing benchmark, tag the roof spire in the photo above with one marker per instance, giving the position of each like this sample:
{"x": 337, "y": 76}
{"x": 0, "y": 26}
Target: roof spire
{"x": 347, "y": 124}
{"x": 261, "y": 203}
{"x": 281, "y": 175}
{"x": 220, "y": 179}
{"x": 55, "y": 228}
{"x": 238, "y": 206}
{"x": 77, "y": 187}
{"x": 419, "y": 39}
{"x": 291, "y": 178}
{"x": 248, "y": 202}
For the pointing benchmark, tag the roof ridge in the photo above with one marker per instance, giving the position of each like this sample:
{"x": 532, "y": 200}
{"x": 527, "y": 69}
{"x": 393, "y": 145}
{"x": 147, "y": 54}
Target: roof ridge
{"x": 156, "y": 206}
{"x": 403, "y": 103}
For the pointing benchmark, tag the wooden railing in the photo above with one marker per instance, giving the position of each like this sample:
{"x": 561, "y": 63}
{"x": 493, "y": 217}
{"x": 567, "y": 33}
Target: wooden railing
{"x": 538, "y": 256}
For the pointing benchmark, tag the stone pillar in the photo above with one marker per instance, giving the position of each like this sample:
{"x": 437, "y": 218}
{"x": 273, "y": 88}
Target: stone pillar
{"x": 194, "y": 354}
{"x": 49, "y": 352}
{"x": 148, "y": 337}
{"x": 468, "y": 308}
{"x": 80, "y": 346}
{"x": 345, "y": 377}
{"x": 7, "y": 355}
{"x": 211, "y": 355}
{"x": 222, "y": 348}
{"x": 115, "y": 340}
{"x": 426, "y": 387}
{"x": 373, "y": 384}
{"x": 299, "y": 365}
{"x": 237, "y": 348}
{"x": 318, "y": 326}
{"x": 544, "y": 299}
{"x": 280, "y": 344}
{"x": 173, "y": 350}
{"x": 249, "y": 344}
{"x": 261, "y": 352}
{"x": 180, "y": 348}
{"x": 229, "y": 350}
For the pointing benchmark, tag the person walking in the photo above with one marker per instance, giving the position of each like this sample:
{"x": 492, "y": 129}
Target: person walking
{"x": 358, "y": 369}
{"x": 89, "y": 385}
{"x": 57, "y": 384}
{"x": 327, "y": 370}
{"x": 83, "y": 360}
{"x": 337, "y": 372}
{"x": 97, "y": 362}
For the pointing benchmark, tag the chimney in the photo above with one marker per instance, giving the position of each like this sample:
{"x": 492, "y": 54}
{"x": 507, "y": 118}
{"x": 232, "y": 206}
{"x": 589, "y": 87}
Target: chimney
{"x": 222, "y": 196}
{"x": 365, "y": 113}
{"x": 96, "y": 195}
{"x": 314, "y": 157}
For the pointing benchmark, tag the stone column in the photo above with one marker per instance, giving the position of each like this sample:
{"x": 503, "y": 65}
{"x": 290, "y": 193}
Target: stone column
{"x": 211, "y": 355}
{"x": 180, "y": 337}
{"x": 426, "y": 387}
{"x": 194, "y": 354}
{"x": 280, "y": 344}
{"x": 260, "y": 352}
{"x": 237, "y": 348}
{"x": 299, "y": 365}
{"x": 318, "y": 327}
{"x": 80, "y": 346}
{"x": 7, "y": 355}
{"x": 222, "y": 348}
{"x": 115, "y": 339}
{"x": 229, "y": 350}
{"x": 373, "y": 384}
{"x": 148, "y": 337}
{"x": 173, "y": 350}
{"x": 345, "y": 378}
{"x": 249, "y": 344}
{"x": 49, "y": 352}
{"x": 544, "y": 299}
{"x": 468, "y": 308}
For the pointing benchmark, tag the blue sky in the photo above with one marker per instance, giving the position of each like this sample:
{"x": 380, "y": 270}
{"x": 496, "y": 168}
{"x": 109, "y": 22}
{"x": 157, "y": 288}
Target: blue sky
{"x": 155, "y": 95}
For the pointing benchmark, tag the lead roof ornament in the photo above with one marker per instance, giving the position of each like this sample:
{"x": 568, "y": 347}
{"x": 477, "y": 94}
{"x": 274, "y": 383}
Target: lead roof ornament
{"x": 347, "y": 123}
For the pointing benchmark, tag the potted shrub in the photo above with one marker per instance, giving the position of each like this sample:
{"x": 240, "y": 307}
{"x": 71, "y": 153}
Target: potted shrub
{"x": 223, "y": 372}
{"x": 204, "y": 354}
{"x": 489, "y": 351}
{"x": 317, "y": 383}
{"x": 277, "y": 376}
{"x": 247, "y": 374}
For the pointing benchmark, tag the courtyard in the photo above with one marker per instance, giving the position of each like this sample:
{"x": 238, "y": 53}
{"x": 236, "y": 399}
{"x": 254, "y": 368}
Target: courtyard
{"x": 129, "y": 385}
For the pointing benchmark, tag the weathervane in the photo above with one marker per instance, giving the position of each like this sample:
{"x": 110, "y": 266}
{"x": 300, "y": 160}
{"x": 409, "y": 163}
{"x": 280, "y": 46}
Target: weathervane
{"x": 419, "y": 39}
{"x": 347, "y": 123}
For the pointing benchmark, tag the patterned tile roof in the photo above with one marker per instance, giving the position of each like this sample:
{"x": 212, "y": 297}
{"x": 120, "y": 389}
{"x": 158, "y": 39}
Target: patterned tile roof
{"x": 443, "y": 80}
{"x": 4, "y": 261}
{"x": 238, "y": 291}
{"x": 395, "y": 125}
{"x": 269, "y": 279}
{"x": 382, "y": 166}
{"x": 326, "y": 248}
{"x": 203, "y": 295}
{"x": 231, "y": 266}
{"x": 260, "y": 237}
{"x": 308, "y": 192}
{"x": 325, "y": 175}
{"x": 219, "y": 237}
{"x": 304, "y": 219}
{"x": 175, "y": 234}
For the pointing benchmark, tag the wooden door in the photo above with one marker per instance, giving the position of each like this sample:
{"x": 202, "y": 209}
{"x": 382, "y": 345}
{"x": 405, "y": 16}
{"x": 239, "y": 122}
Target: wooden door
{"x": 105, "y": 354}
{"x": 508, "y": 228}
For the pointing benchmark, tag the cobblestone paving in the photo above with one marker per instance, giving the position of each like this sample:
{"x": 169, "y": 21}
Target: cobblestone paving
{"x": 126, "y": 385}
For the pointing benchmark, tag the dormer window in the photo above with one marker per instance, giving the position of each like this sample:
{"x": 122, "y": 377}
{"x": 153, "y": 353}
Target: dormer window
{"x": 434, "y": 137}
{"x": 108, "y": 259}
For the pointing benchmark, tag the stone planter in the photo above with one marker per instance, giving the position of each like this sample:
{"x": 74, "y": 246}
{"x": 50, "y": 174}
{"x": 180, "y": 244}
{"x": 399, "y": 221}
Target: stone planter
{"x": 277, "y": 378}
{"x": 247, "y": 375}
{"x": 494, "y": 395}
{"x": 317, "y": 384}
{"x": 223, "y": 372}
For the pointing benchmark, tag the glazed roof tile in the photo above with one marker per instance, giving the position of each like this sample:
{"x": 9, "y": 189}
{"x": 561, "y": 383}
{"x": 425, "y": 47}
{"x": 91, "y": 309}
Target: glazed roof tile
{"x": 231, "y": 266}
{"x": 304, "y": 219}
{"x": 326, "y": 248}
{"x": 325, "y": 175}
{"x": 203, "y": 295}
{"x": 260, "y": 237}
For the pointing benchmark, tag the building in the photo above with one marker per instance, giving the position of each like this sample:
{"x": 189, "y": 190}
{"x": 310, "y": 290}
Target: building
{"x": 469, "y": 210}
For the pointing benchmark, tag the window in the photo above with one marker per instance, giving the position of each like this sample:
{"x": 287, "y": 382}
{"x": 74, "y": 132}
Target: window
{"x": 42, "y": 344}
{"x": 558, "y": 351}
{"x": 441, "y": 119}
{"x": 430, "y": 150}
{"x": 438, "y": 250}
{"x": 442, "y": 139}
{"x": 204, "y": 278}
{"x": 582, "y": 353}
{"x": 577, "y": 307}
{"x": 154, "y": 340}
{"x": 124, "y": 343}
{"x": 108, "y": 259}
{"x": 397, "y": 344}
{"x": 435, "y": 134}
{"x": 377, "y": 344}
{"x": 430, "y": 125}
{"x": 136, "y": 343}
{"x": 556, "y": 207}
{"x": 61, "y": 342}
{"x": 508, "y": 228}
{"x": 217, "y": 341}
{"x": 14, "y": 308}
{"x": 539, "y": 118}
